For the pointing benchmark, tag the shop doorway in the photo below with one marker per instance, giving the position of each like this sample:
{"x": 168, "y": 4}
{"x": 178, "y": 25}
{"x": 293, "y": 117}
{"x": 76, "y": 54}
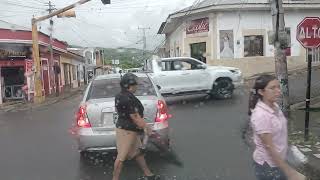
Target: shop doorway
{"x": 198, "y": 51}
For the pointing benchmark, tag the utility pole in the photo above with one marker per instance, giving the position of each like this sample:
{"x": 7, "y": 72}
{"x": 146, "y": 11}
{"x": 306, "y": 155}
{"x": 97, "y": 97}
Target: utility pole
{"x": 103, "y": 59}
{"x": 38, "y": 98}
{"x": 280, "y": 43}
{"x": 52, "y": 63}
{"x": 144, "y": 39}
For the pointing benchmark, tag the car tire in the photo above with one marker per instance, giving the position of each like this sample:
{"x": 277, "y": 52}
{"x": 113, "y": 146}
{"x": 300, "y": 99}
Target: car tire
{"x": 222, "y": 89}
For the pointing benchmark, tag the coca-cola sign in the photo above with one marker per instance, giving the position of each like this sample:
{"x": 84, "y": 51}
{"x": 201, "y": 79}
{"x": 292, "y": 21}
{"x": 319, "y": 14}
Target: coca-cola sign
{"x": 198, "y": 26}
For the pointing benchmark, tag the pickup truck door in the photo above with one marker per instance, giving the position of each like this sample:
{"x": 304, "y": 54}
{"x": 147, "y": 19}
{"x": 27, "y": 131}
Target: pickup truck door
{"x": 169, "y": 78}
{"x": 194, "y": 75}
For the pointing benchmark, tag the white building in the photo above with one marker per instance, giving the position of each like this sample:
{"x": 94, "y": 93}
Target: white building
{"x": 235, "y": 33}
{"x": 93, "y": 60}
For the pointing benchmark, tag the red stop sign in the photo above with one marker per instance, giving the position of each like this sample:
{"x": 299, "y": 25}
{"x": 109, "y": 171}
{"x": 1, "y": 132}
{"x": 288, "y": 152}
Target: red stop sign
{"x": 308, "y": 32}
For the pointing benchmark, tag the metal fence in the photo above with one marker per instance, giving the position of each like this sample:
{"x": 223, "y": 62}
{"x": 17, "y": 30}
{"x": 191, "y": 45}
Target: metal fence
{"x": 314, "y": 55}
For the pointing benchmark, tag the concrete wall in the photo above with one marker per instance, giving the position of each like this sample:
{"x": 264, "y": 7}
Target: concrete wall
{"x": 176, "y": 40}
{"x": 259, "y": 23}
{"x": 255, "y": 65}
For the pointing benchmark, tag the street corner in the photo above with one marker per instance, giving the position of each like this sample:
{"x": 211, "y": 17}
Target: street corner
{"x": 15, "y": 106}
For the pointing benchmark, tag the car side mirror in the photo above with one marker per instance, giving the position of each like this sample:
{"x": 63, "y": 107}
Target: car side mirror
{"x": 159, "y": 87}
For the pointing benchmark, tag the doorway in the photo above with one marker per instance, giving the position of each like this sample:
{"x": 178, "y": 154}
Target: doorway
{"x": 45, "y": 76}
{"x": 198, "y": 51}
{"x": 13, "y": 80}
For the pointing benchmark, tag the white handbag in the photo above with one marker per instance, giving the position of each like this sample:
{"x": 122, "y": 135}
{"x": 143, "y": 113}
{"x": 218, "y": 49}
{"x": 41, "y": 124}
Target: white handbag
{"x": 295, "y": 157}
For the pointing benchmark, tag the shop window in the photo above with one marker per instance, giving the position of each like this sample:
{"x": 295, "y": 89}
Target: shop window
{"x": 253, "y": 46}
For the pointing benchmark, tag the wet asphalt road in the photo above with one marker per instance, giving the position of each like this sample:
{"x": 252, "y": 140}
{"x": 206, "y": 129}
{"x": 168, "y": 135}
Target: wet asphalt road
{"x": 206, "y": 134}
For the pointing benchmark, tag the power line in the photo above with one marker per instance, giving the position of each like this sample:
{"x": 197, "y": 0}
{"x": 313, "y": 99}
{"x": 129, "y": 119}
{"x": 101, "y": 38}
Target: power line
{"x": 22, "y": 14}
{"x": 22, "y": 2}
{"x": 79, "y": 36}
{"x": 33, "y": 2}
{"x": 131, "y": 44}
{"x": 39, "y": 1}
{"x": 240, "y": 18}
{"x": 82, "y": 35}
{"x": 20, "y": 5}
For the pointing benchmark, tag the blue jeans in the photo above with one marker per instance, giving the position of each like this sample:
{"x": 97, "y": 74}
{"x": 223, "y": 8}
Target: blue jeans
{"x": 265, "y": 172}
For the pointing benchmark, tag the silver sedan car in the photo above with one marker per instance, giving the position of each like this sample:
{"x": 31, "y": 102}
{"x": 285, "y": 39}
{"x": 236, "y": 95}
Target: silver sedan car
{"x": 95, "y": 120}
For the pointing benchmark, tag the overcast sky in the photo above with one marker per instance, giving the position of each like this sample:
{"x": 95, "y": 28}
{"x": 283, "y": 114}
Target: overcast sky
{"x": 96, "y": 24}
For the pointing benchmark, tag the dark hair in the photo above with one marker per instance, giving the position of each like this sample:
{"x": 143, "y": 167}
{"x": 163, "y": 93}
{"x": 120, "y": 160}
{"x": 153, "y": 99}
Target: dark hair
{"x": 260, "y": 83}
{"x": 128, "y": 80}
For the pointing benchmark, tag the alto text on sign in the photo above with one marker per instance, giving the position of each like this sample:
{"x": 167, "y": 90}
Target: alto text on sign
{"x": 308, "y": 32}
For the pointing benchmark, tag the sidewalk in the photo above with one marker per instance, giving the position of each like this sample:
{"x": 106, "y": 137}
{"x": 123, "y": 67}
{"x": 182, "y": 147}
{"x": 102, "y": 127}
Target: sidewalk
{"x": 296, "y": 136}
{"x": 19, "y": 105}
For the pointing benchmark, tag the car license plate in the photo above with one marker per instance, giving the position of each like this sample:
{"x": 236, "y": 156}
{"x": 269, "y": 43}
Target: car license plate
{"x": 108, "y": 120}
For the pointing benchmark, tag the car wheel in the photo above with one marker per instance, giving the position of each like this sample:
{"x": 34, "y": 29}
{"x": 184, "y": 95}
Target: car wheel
{"x": 222, "y": 89}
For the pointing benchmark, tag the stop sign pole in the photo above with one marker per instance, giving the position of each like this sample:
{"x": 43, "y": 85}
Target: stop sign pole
{"x": 308, "y": 34}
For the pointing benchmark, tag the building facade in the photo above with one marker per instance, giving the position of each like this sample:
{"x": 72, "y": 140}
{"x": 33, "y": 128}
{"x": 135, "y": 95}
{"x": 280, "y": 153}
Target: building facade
{"x": 16, "y": 63}
{"x": 72, "y": 70}
{"x": 234, "y": 33}
{"x": 93, "y": 60}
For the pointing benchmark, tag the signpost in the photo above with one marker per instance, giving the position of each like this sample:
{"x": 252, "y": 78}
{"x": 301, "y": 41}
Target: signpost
{"x": 308, "y": 34}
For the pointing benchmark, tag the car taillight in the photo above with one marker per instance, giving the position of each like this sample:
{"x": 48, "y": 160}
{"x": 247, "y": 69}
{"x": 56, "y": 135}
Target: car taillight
{"x": 162, "y": 114}
{"x": 82, "y": 119}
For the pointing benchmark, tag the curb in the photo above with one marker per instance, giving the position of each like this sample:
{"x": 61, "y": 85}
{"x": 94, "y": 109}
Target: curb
{"x": 22, "y": 106}
{"x": 313, "y": 102}
{"x": 249, "y": 81}
{"x": 311, "y": 168}
{"x": 290, "y": 72}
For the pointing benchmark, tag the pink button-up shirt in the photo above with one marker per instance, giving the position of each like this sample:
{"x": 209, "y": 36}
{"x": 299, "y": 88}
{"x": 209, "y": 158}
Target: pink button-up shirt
{"x": 264, "y": 119}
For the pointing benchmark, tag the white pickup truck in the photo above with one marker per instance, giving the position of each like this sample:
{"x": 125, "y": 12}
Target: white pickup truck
{"x": 185, "y": 75}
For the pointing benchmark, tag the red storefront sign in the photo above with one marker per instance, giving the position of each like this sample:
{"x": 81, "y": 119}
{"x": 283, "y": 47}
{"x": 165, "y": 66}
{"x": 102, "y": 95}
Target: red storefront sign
{"x": 198, "y": 26}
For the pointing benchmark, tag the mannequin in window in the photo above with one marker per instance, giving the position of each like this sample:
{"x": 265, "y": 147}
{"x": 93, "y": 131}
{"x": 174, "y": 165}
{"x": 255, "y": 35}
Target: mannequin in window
{"x": 227, "y": 52}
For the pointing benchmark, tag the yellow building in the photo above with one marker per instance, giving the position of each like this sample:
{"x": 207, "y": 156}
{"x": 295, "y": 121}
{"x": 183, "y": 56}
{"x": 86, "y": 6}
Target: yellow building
{"x": 72, "y": 70}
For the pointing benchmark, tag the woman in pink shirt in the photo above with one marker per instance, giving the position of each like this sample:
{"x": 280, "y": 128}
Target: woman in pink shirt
{"x": 269, "y": 131}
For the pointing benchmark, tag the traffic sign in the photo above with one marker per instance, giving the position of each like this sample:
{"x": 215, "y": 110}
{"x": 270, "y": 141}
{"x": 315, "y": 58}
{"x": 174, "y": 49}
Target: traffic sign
{"x": 308, "y": 32}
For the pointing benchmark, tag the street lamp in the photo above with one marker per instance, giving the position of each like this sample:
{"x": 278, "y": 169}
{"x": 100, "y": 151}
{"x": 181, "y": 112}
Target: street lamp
{"x": 38, "y": 98}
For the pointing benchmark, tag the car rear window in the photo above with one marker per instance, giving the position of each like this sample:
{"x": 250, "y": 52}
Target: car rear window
{"x": 108, "y": 88}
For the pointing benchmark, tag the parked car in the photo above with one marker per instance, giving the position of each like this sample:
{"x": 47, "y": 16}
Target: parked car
{"x": 95, "y": 121}
{"x": 185, "y": 75}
